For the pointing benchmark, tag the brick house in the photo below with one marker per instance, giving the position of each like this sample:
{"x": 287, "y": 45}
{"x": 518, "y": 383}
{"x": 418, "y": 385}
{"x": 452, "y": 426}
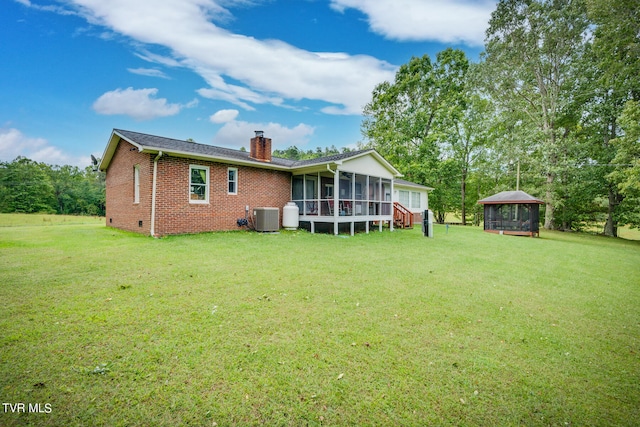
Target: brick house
{"x": 160, "y": 186}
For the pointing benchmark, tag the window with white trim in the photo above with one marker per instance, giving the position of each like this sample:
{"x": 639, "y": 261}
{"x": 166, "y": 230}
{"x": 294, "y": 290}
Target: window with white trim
{"x": 403, "y": 198}
{"x": 136, "y": 184}
{"x": 198, "y": 184}
{"x": 415, "y": 200}
{"x": 232, "y": 180}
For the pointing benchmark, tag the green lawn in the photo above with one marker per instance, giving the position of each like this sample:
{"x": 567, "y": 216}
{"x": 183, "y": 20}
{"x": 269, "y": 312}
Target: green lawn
{"x": 111, "y": 329}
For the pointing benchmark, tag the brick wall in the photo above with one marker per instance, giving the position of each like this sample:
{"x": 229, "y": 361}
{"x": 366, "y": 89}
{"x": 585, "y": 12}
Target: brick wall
{"x": 255, "y": 188}
{"x": 174, "y": 213}
{"x": 121, "y": 211}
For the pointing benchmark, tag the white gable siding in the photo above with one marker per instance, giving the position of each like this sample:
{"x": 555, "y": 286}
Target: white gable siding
{"x": 366, "y": 165}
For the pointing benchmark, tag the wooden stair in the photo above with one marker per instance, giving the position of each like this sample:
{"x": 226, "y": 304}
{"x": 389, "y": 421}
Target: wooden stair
{"x": 402, "y": 217}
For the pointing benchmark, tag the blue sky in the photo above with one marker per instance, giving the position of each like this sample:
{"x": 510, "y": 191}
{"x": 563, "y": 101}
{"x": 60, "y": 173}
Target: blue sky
{"x": 211, "y": 70}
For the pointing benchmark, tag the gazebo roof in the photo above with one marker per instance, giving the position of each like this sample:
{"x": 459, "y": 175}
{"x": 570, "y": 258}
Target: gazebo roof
{"x": 510, "y": 197}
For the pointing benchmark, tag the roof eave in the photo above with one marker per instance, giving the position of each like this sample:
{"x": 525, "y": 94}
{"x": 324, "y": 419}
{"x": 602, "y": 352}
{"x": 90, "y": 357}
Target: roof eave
{"x": 321, "y": 164}
{"x": 314, "y": 167}
{"x": 511, "y": 202}
{"x": 413, "y": 185}
{"x": 220, "y": 159}
{"x": 110, "y": 150}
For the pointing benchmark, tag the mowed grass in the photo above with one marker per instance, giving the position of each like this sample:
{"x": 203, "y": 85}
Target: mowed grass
{"x": 469, "y": 328}
{"x": 19, "y": 220}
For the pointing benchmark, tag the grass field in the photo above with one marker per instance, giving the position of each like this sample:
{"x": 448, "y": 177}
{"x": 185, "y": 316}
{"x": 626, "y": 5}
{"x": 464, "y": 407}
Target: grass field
{"x": 106, "y": 328}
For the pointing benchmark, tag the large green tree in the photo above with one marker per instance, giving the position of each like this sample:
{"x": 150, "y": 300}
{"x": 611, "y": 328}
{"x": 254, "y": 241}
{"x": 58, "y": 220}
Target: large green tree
{"x": 530, "y": 68}
{"x": 626, "y": 174}
{"x": 31, "y": 187}
{"x": 408, "y": 119}
{"x": 466, "y": 139}
{"x": 610, "y": 78}
{"x": 616, "y": 44}
{"x": 26, "y": 187}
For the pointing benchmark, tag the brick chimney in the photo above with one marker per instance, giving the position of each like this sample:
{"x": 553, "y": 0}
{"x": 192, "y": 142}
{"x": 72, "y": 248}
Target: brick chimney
{"x": 260, "y": 147}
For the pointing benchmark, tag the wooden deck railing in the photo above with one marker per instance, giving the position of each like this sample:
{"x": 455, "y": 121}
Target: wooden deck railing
{"x": 402, "y": 217}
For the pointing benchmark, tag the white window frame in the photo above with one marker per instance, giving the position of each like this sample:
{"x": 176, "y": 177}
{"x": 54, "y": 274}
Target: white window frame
{"x": 328, "y": 189}
{"x": 206, "y": 184}
{"x": 404, "y": 198}
{"x": 416, "y": 202}
{"x": 235, "y": 181}
{"x": 136, "y": 184}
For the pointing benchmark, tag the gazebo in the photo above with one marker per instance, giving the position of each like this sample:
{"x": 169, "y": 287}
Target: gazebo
{"x": 512, "y": 212}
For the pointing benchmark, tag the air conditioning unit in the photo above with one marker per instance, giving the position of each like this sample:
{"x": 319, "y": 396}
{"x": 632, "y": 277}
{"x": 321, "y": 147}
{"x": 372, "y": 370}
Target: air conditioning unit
{"x": 266, "y": 219}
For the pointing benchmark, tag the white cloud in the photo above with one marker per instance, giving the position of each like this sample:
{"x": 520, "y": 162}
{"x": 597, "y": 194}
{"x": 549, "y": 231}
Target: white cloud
{"x": 234, "y": 94}
{"x": 447, "y": 21}
{"x": 56, "y": 9}
{"x": 238, "y": 133}
{"x": 14, "y": 143}
{"x": 145, "y": 55}
{"x": 139, "y": 104}
{"x": 150, "y": 72}
{"x": 224, "y": 116}
{"x": 263, "y": 71}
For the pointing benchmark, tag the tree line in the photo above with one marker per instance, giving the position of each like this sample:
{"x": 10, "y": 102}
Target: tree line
{"x": 27, "y": 186}
{"x": 294, "y": 153}
{"x": 554, "y": 95}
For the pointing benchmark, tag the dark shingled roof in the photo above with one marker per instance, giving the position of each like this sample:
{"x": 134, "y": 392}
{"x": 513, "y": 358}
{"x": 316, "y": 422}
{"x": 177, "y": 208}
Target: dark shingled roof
{"x": 509, "y": 197}
{"x": 180, "y": 148}
{"x": 332, "y": 158}
{"x": 399, "y": 181}
{"x": 169, "y": 144}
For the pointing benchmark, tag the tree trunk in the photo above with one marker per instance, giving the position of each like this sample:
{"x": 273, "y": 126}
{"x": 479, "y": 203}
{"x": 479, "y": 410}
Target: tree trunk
{"x": 463, "y": 193}
{"x": 549, "y": 211}
{"x": 611, "y": 226}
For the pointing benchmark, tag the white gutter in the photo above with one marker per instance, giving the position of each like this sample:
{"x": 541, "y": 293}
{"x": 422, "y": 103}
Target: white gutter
{"x": 153, "y": 194}
{"x": 221, "y": 159}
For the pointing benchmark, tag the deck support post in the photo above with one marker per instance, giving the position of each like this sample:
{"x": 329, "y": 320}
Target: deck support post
{"x": 336, "y": 194}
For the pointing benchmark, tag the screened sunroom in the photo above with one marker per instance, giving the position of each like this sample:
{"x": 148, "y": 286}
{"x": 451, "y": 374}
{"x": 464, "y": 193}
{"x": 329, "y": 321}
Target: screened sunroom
{"x": 344, "y": 197}
{"x": 512, "y": 212}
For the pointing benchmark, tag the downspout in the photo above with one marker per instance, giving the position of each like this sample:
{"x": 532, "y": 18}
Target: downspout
{"x": 153, "y": 194}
